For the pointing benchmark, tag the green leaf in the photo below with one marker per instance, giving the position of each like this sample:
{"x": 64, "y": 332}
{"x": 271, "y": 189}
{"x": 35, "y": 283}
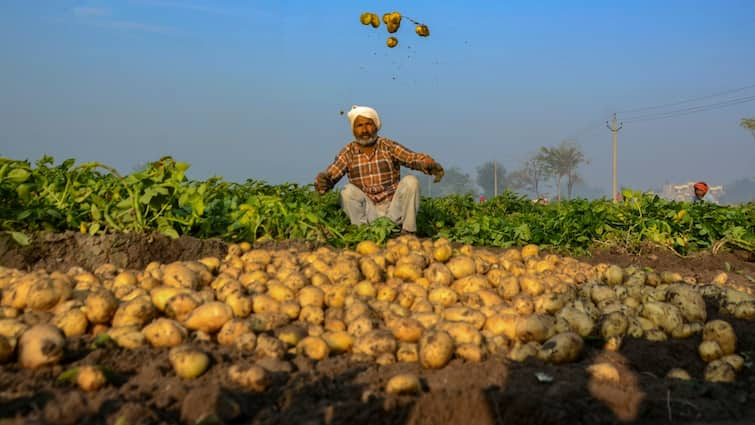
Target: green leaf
{"x": 20, "y": 238}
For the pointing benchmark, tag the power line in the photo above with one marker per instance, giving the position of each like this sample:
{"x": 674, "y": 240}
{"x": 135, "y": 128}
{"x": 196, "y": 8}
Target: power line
{"x": 690, "y": 110}
{"x": 686, "y": 101}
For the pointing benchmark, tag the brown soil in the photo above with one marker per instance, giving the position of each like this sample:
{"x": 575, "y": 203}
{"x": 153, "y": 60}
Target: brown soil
{"x": 341, "y": 390}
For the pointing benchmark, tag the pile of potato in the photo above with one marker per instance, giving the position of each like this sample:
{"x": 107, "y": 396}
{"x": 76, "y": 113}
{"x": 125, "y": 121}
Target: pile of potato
{"x": 410, "y": 301}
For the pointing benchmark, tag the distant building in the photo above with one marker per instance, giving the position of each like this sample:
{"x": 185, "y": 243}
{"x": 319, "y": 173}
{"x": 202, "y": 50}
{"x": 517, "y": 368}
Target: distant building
{"x": 684, "y": 192}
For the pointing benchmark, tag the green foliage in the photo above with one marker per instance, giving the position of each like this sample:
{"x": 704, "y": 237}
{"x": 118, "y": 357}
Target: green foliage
{"x": 159, "y": 197}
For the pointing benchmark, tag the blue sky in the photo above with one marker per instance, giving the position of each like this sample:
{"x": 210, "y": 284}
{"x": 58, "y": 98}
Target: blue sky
{"x": 253, "y": 89}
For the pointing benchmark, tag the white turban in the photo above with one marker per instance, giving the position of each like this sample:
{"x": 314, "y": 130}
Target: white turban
{"x": 363, "y": 111}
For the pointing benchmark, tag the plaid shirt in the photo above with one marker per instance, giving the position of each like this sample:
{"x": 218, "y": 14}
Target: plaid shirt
{"x": 377, "y": 174}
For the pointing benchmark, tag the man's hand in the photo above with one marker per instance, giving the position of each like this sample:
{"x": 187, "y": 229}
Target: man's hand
{"x": 323, "y": 182}
{"x": 434, "y": 169}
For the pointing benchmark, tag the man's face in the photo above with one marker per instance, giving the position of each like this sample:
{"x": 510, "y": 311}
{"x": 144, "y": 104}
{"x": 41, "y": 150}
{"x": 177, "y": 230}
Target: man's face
{"x": 364, "y": 130}
{"x": 699, "y": 193}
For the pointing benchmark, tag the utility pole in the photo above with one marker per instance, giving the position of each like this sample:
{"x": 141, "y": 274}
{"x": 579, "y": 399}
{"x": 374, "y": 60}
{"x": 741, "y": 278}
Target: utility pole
{"x": 495, "y": 179}
{"x": 614, "y": 129}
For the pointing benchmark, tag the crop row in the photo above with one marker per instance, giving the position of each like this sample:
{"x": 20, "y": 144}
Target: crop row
{"x": 93, "y": 198}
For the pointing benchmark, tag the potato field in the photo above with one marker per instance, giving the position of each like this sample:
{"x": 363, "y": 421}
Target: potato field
{"x": 154, "y": 299}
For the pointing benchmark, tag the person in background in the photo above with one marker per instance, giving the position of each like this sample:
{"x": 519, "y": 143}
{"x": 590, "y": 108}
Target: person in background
{"x": 373, "y": 164}
{"x": 701, "y": 189}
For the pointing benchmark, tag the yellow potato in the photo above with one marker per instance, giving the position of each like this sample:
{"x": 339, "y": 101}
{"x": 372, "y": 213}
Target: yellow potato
{"x": 265, "y": 304}
{"x": 188, "y": 362}
{"x": 461, "y": 266}
{"x": 136, "y": 312}
{"x": 375, "y": 342}
{"x": 250, "y": 377}
{"x": 443, "y": 295}
{"x": 90, "y": 378}
{"x": 735, "y": 361}
{"x": 371, "y": 270}
{"x": 709, "y": 351}
{"x": 435, "y": 349}
{"x": 407, "y": 352}
{"x": 268, "y": 346}
{"x": 367, "y": 247}
{"x": 521, "y": 351}
{"x": 405, "y": 383}
{"x": 178, "y": 275}
{"x": 313, "y": 347}
{"x": 466, "y": 315}
{"x": 561, "y": 348}
{"x": 241, "y": 305}
{"x": 161, "y": 294}
{"x": 405, "y": 329}
{"x": 535, "y": 327}
{"x": 40, "y": 345}
{"x": 722, "y": 333}
{"x": 72, "y": 322}
{"x": 209, "y": 317}
{"x": 164, "y": 333}
{"x": 719, "y": 371}
{"x": 338, "y": 341}
{"x": 100, "y": 306}
{"x": 677, "y": 373}
{"x": 181, "y": 305}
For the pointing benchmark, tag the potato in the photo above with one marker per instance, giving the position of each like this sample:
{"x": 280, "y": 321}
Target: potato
{"x": 405, "y": 383}
{"x": 521, "y": 351}
{"x": 466, "y": 315}
{"x": 126, "y": 336}
{"x": 405, "y": 329}
{"x": 188, "y": 362}
{"x": 561, "y": 348}
{"x": 690, "y": 303}
{"x": 100, "y": 306}
{"x": 686, "y": 330}
{"x": 677, "y": 373}
{"x": 656, "y": 335}
{"x": 470, "y": 352}
{"x": 268, "y": 346}
{"x": 136, "y": 312}
{"x": 72, "y": 322}
{"x": 722, "y": 333}
{"x": 578, "y": 321}
{"x": 614, "y": 275}
{"x": 535, "y": 327}
{"x": 470, "y": 284}
{"x": 178, "y": 275}
{"x": 549, "y": 303}
{"x": 443, "y": 295}
{"x": 502, "y": 324}
{"x": 435, "y": 349}
{"x": 209, "y": 317}
{"x": 461, "y": 266}
{"x": 43, "y": 295}
{"x": 40, "y": 345}
{"x": 614, "y": 324}
{"x": 90, "y": 378}
{"x": 250, "y": 377}
{"x": 665, "y": 316}
{"x": 291, "y": 334}
{"x": 735, "y": 360}
{"x": 375, "y": 342}
{"x": 530, "y": 251}
{"x": 719, "y": 371}
{"x": 371, "y": 270}
{"x": 744, "y": 310}
{"x": 313, "y": 347}
{"x": 338, "y": 341}
{"x": 709, "y": 351}
{"x": 164, "y": 333}
{"x": 462, "y": 333}
{"x": 313, "y": 315}
{"x": 604, "y": 371}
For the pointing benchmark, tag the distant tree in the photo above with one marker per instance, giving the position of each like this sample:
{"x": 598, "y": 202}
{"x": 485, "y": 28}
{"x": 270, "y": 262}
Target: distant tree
{"x": 748, "y": 123}
{"x": 530, "y": 176}
{"x": 455, "y": 181}
{"x": 563, "y": 161}
{"x": 486, "y": 178}
{"x": 740, "y": 191}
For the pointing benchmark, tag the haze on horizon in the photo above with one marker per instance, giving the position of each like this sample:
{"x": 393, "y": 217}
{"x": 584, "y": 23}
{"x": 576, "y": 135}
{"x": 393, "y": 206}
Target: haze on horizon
{"x": 255, "y": 89}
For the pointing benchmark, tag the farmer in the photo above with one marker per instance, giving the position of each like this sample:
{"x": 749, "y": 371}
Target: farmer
{"x": 373, "y": 163}
{"x": 701, "y": 188}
